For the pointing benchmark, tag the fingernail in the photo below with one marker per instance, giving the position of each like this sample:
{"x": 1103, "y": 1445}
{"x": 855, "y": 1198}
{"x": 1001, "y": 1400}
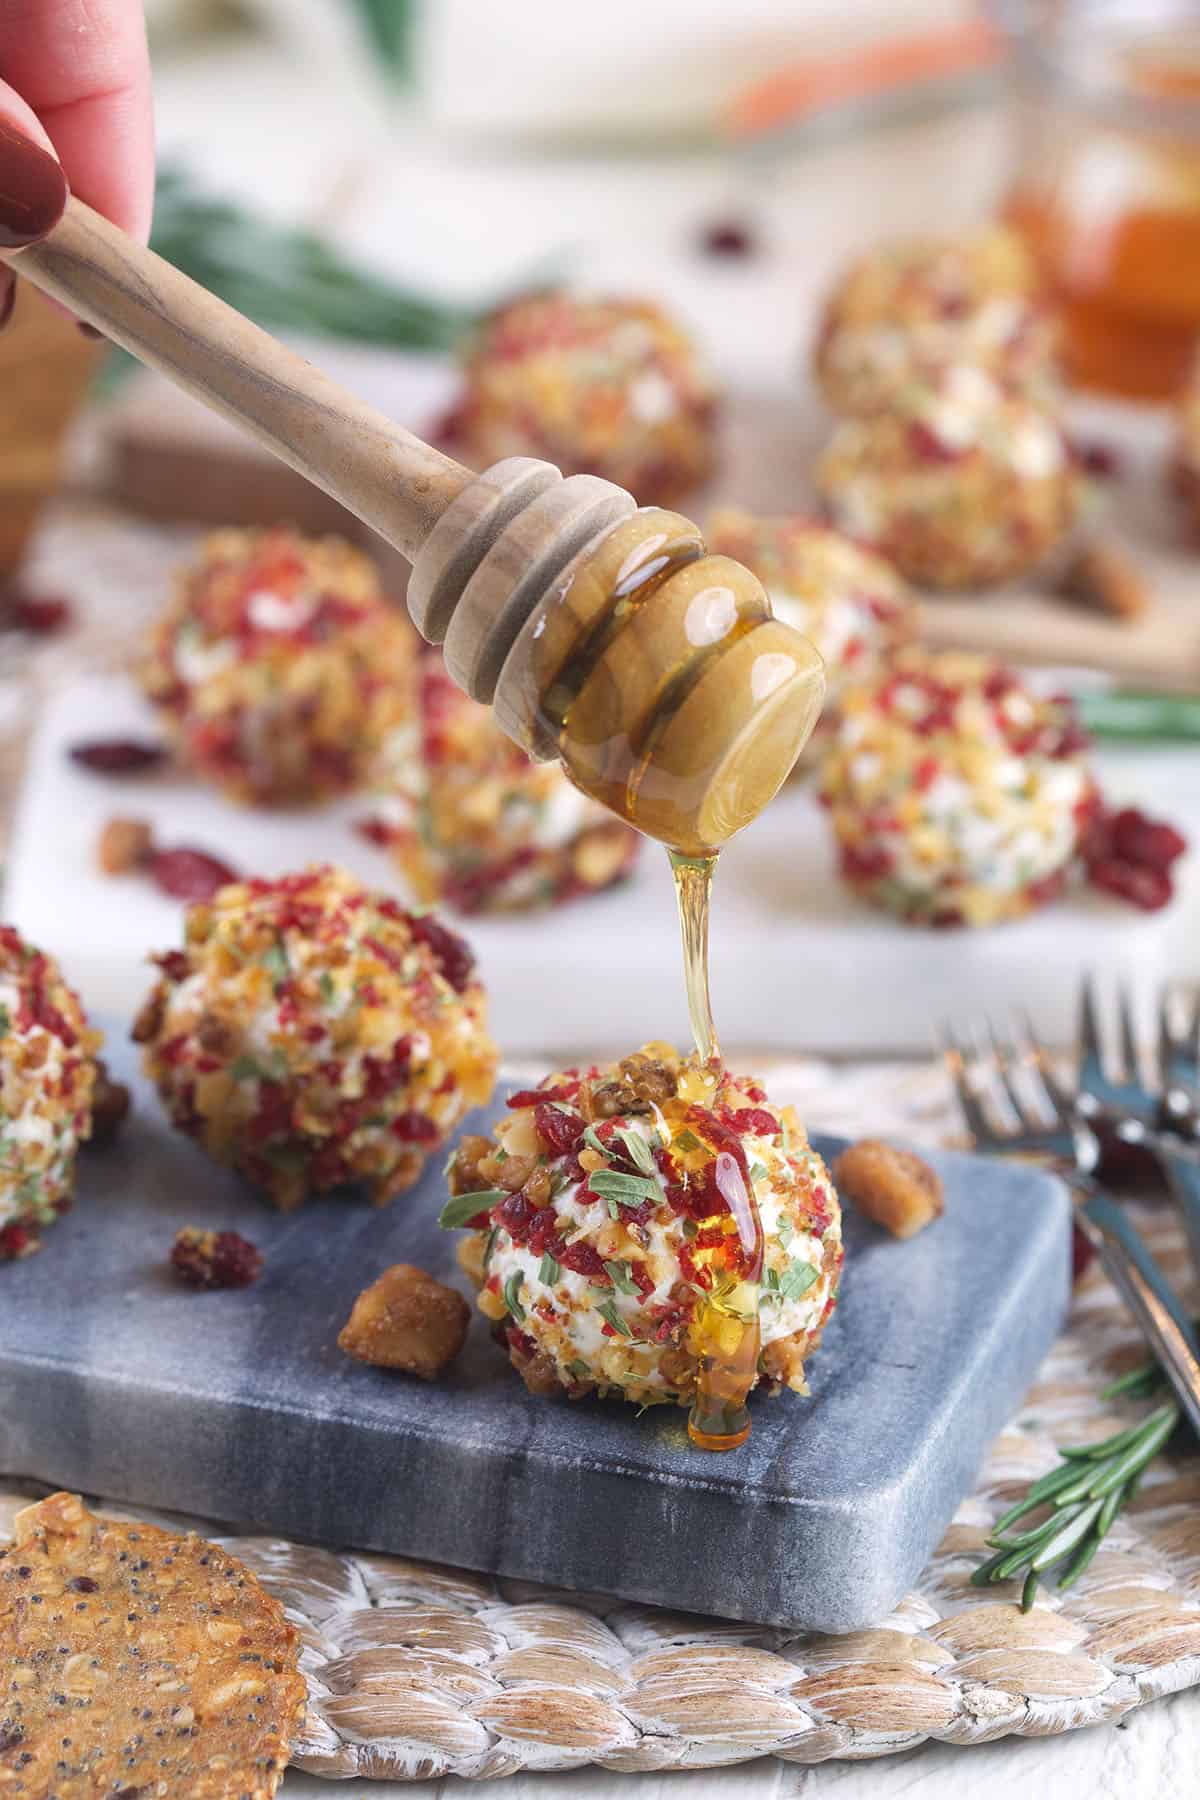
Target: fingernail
{"x": 33, "y": 189}
{"x": 89, "y": 331}
{"x": 8, "y": 296}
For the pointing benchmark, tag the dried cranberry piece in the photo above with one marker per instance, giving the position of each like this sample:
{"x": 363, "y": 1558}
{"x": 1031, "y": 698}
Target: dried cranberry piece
{"x": 755, "y": 1122}
{"x": 535, "y": 1096}
{"x": 1099, "y": 460}
{"x": 17, "y": 1241}
{"x": 584, "y": 1259}
{"x": 414, "y": 1128}
{"x": 174, "y": 964}
{"x": 866, "y": 863}
{"x": 927, "y": 446}
{"x": 215, "y": 1259}
{"x": 1151, "y": 843}
{"x": 40, "y": 614}
{"x": 118, "y": 756}
{"x": 728, "y": 237}
{"x": 188, "y": 874}
{"x": 559, "y": 1131}
{"x": 1081, "y": 1253}
{"x": 1146, "y": 888}
{"x": 453, "y": 955}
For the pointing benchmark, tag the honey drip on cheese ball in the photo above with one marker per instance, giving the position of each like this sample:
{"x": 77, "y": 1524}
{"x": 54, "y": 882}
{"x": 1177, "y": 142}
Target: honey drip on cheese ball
{"x": 671, "y": 694}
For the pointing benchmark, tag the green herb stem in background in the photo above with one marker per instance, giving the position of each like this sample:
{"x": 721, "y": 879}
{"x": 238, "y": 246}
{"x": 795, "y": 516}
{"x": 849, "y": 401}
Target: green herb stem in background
{"x": 1081, "y": 1497}
{"x": 1136, "y": 718}
{"x": 287, "y": 278}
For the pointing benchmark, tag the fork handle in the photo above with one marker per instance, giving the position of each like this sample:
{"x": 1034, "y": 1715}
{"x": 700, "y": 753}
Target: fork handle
{"x": 1133, "y": 1270}
{"x": 1181, "y": 1166}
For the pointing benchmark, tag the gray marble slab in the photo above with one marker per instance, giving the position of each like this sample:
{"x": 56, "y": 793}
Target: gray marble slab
{"x": 240, "y": 1406}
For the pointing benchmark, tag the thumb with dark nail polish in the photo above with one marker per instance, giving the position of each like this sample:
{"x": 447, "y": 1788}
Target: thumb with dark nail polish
{"x": 33, "y": 189}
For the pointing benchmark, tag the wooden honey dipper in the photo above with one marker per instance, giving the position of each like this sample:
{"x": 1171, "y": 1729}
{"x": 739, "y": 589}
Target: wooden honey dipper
{"x": 683, "y": 717}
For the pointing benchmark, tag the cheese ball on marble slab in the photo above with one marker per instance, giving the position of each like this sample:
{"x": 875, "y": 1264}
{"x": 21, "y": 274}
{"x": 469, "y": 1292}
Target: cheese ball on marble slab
{"x": 600, "y": 1228}
{"x": 610, "y": 387}
{"x": 312, "y": 1033}
{"x": 846, "y": 600}
{"x": 956, "y": 796}
{"x": 475, "y": 824}
{"x": 924, "y": 302}
{"x": 279, "y": 666}
{"x": 960, "y": 484}
{"x": 47, "y": 1080}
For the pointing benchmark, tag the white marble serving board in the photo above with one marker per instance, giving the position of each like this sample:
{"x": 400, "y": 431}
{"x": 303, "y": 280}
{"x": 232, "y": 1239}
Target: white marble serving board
{"x": 797, "y": 963}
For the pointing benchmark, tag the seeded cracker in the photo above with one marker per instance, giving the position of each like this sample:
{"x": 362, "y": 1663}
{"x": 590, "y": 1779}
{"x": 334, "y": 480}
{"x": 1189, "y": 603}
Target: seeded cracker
{"x": 135, "y": 1662}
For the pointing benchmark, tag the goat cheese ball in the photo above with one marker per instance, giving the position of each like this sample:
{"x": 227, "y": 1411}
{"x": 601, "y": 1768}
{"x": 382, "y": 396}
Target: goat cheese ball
{"x": 960, "y": 484}
{"x": 956, "y": 796}
{"x": 311, "y": 1033}
{"x": 846, "y": 600}
{"x": 475, "y": 824}
{"x": 47, "y": 1076}
{"x": 926, "y": 302}
{"x": 611, "y": 387}
{"x": 279, "y": 666}
{"x": 601, "y": 1229}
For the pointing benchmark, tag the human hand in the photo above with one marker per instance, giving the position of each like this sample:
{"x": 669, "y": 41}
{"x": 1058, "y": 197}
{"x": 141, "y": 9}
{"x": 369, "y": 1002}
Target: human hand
{"x": 75, "y": 115}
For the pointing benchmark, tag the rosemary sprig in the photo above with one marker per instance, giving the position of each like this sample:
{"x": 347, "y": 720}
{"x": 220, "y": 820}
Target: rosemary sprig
{"x": 1083, "y": 1497}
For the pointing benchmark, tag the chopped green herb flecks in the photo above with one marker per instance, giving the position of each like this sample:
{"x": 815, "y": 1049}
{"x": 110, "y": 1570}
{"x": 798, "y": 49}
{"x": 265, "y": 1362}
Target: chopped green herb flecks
{"x": 276, "y": 959}
{"x": 621, "y": 1278}
{"x": 460, "y": 1209}
{"x": 512, "y": 1296}
{"x": 579, "y": 1370}
{"x": 594, "y": 1141}
{"x": 608, "y": 1312}
{"x": 548, "y": 1270}
{"x": 328, "y": 987}
{"x": 489, "y": 1245}
{"x": 627, "y": 1190}
{"x": 785, "y": 1136}
{"x": 244, "y": 1068}
{"x": 5, "y": 1019}
{"x": 785, "y": 1230}
{"x": 758, "y": 1171}
{"x": 687, "y": 1140}
{"x": 796, "y": 1279}
{"x": 640, "y": 1153}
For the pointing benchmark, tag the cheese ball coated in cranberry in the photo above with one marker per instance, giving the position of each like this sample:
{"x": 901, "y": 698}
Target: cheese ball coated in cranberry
{"x": 47, "y": 1080}
{"x": 475, "y": 824}
{"x": 610, "y": 387}
{"x": 922, "y": 302}
{"x": 311, "y": 1033}
{"x": 846, "y": 600}
{"x": 960, "y": 484}
{"x": 956, "y": 796}
{"x": 280, "y": 667}
{"x": 602, "y": 1231}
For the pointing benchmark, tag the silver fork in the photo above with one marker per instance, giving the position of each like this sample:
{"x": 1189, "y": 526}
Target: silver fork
{"x": 1047, "y": 1127}
{"x": 1166, "y": 1121}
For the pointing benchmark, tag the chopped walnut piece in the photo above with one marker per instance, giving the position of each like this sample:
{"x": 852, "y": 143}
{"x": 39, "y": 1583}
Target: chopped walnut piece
{"x": 1106, "y": 579}
{"x": 407, "y": 1320}
{"x": 124, "y": 845}
{"x": 110, "y": 1105}
{"x": 215, "y": 1259}
{"x": 893, "y": 1187}
{"x": 641, "y": 1083}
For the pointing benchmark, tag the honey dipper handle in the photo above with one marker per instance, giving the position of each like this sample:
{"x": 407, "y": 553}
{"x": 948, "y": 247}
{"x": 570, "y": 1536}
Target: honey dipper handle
{"x": 380, "y": 472}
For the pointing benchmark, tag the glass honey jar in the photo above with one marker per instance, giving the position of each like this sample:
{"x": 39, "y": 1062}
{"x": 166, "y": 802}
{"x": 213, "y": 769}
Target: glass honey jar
{"x": 1107, "y": 188}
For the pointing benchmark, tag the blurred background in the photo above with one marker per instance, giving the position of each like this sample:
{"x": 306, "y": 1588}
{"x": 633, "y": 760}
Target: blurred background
{"x": 371, "y": 178}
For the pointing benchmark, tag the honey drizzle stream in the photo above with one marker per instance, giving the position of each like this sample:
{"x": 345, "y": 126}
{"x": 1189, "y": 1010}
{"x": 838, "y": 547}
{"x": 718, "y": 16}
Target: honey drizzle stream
{"x": 724, "y": 1332}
